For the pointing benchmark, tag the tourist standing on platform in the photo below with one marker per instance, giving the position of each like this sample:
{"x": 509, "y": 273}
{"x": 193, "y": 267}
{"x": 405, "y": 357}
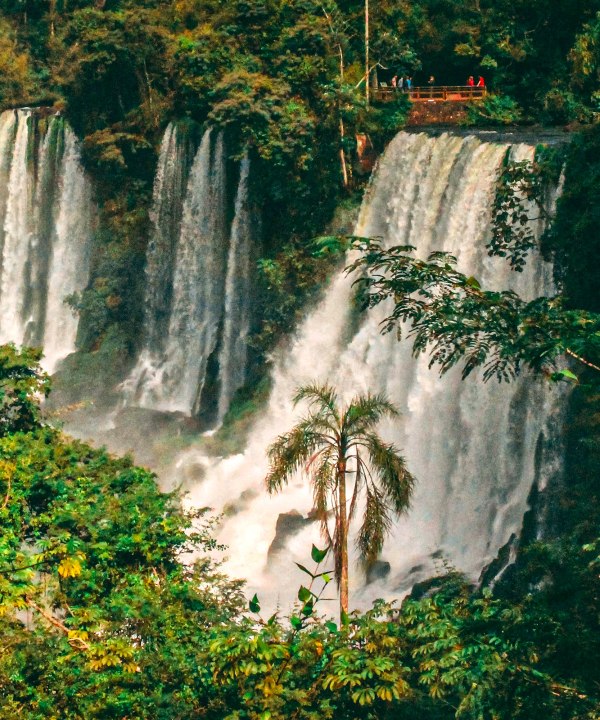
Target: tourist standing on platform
{"x": 471, "y": 81}
{"x": 481, "y": 82}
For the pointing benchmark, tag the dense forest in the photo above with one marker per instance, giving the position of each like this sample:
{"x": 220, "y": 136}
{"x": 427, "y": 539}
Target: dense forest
{"x": 102, "y": 613}
{"x": 280, "y": 77}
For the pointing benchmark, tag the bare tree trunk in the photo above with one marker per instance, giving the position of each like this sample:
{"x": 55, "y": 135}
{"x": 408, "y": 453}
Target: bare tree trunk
{"x": 52, "y": 17}
{"x": 367, "y": 73}
{"x": 343, "y": 538}
{"x": 343, "y": 157}
{"x": 342, "y": 130}
{"x": 343, "y": 163}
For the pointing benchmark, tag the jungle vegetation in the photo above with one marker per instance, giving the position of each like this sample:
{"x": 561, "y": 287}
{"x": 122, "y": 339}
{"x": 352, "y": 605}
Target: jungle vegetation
{"x": 99, "y": 618}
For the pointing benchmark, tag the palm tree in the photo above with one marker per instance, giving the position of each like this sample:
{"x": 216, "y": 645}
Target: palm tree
{"x": 344, "y": 457}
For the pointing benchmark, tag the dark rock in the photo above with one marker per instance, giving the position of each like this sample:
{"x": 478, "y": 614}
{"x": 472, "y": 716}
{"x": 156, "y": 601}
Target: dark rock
{"x": 288, "y": 525}
{"x": 379, "y": 570}
{"x": 241, "y": 503}
{"x": 492, "y": 572}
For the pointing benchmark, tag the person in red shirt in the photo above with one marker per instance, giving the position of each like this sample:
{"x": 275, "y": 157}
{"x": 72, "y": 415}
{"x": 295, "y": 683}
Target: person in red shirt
{"x": 471, "y": 81}
{"x": 481, "y": 82}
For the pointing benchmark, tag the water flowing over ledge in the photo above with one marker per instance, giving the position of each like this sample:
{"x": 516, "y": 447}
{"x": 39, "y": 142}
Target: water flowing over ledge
{"x": 475, "y": 449}
{"x": 46, "y": 217}
{"x": 199, "y": 279}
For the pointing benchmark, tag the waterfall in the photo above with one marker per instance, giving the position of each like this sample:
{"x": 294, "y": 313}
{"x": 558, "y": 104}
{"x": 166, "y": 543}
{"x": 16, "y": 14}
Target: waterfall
{"x": 69, "y": 259}
{"x": 167, "y": 206}
{"x": 238, "y": 294}
{"x": 205, "y": 322}
{"x": 45, "y": 231}
{"x": 475, "y": 448}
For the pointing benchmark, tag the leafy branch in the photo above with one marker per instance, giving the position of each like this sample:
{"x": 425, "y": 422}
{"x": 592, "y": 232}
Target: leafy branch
{"x": 455, "y": 320}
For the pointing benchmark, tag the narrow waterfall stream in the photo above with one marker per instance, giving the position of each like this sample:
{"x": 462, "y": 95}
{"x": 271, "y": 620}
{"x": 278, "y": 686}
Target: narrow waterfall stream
{"x": 476, "y": 449}
{"x": 46, "y": 216}
{"x": 233, "y": 356}
{"x": 199, "y": 275}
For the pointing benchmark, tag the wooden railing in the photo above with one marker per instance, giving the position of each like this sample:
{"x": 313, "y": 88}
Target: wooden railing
{"x": 452, "y": 93}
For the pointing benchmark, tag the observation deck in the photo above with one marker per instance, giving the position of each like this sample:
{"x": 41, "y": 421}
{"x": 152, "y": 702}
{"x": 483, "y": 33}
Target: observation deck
{"x": 431, "y": 93}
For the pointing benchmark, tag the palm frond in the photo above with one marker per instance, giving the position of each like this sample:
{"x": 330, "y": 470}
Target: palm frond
{"x": 375, "y": 526}
{"x": 288, "y": 454}
{"x": 390, "y": 469}
{"x": 323, "y": 482}
{"x": 323, "y": 396}
{"x": 317, "y": 423}
{"x": 365, "y": 411}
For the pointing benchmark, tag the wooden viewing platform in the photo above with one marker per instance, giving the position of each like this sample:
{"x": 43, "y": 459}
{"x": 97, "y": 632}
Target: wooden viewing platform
{"x": 441, "y": 93}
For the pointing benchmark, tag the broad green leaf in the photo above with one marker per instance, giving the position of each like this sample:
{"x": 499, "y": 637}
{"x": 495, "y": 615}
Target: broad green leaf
{"x": 308, "y": 609}
{"x": 304, "y": 594}
{"x": 564, "y": 375}
{"x": 318, "y": 555}
{"x": 254, "y": 605}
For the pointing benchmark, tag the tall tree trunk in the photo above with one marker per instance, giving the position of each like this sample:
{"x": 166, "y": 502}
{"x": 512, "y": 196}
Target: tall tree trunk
{"x": 342, "y": 130}
{"x": 367, "y": 71}
{"x": 343, "y": 538}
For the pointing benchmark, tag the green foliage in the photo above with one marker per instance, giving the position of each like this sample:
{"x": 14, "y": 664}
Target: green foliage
{"x": 307, "y": 668}
{"x": 572, "y": 241}
{"x": 98, "y": 616}
{"x": 287, "y": 283}
{"x": 563, "y": 106}
{"x": 524, "y": 192}
{"x": 456, "y": 654}
{"x": 22, "y": 385}
{"x": 494, "y": 110}
{"x": 585, "y": 62}
{"x": 457, "y": 321}
{"x": 16, "y": 78}
{"x": 284, "y": 78}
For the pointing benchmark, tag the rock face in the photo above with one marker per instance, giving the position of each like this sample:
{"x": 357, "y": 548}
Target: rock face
{"x": 379, "y": 570}
{"x": 288, "y": 524}
{"x": 437, "y": 112}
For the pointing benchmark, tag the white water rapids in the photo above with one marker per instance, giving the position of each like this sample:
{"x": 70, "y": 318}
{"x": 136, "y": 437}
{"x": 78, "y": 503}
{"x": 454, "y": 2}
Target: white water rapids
{"x": 474, "y": 448}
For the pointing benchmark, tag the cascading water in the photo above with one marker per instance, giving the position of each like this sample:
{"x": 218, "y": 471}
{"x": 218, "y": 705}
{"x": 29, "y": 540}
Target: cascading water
{"x": 198, "y": 286}
{"x": 45, "y": 231}
{"x": 233, "y": 357}
{"x": 475, "y": 449}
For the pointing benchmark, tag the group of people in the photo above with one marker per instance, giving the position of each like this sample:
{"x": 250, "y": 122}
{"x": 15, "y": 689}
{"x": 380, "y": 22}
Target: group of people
{"x": 402, "y": 82}
{"x": 471, "y": 81}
